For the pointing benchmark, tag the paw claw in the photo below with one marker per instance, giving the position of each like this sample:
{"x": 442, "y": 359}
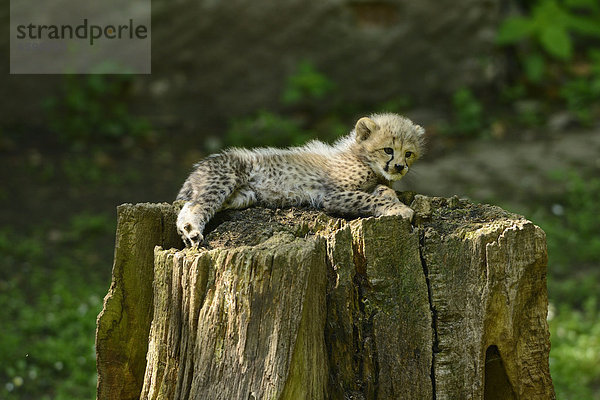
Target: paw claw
{"x": 192, "y": 240}
{"x": 195, "y": 239}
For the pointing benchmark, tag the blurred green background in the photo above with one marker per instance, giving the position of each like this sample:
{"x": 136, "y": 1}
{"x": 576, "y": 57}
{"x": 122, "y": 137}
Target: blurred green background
{"x": 509, "y": 93}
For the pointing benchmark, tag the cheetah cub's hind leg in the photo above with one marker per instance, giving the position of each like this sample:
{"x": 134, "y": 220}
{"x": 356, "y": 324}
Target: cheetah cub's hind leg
{"x": 240, "y": 198}
{"x": 193, "y": 216}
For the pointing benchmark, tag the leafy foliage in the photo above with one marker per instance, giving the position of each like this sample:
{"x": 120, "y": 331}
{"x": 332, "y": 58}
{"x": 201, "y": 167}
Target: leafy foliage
{"x": 573, "y": 238}
{"x": 582, "y": 94}
{"x": 305, "y": 88}
{"x": 551, "y": 24}
{"x": 468, "y": 115}
{"x": 556, "y": 45}
{"x": 265, "y": 128}
{"x": 574, "y": 228}
{"x": 306, "y": 85}
{"x": 93, "y": 110}
{"x": 398, "y": 105}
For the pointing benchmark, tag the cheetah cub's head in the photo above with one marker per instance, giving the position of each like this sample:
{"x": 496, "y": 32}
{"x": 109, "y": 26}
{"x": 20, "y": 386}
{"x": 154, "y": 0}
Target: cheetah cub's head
{"x": 390, "y": 143}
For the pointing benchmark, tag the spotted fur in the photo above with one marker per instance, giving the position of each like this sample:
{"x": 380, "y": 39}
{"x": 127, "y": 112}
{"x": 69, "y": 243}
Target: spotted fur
{"x": 350, "y": 177}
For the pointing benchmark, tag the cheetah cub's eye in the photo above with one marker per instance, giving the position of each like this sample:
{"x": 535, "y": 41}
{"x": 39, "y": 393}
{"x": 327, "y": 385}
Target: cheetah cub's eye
{"x": 388, "y": 150}
{"x": 408, "y": 154}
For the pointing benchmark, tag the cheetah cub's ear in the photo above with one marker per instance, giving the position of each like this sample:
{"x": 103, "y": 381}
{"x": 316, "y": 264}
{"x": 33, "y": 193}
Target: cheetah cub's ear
{"x": 364, "y": 127}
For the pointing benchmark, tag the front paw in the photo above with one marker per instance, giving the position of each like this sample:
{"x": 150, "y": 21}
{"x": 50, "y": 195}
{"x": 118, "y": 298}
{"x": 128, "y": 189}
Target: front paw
{"x": 386, "y": 192}
{"x": 401, "y": 210}
{"x": 190, "y": 227}
{"x": 191, "y": 237}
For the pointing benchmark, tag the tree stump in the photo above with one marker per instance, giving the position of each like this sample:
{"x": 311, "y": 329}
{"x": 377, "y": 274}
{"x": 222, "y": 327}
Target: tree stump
{"x": 298, "y": 304}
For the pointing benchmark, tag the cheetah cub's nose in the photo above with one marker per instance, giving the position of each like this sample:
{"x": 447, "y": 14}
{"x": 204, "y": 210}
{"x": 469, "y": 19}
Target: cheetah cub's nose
{"x": 399, "y": 167}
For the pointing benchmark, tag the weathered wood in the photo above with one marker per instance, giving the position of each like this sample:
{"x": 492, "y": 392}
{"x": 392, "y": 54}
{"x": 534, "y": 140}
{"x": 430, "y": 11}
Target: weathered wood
{"x": 379, "y": 324}
{"x": 487, "y": 279}
{"x": 124, "y": 322}
{"x": 296, "y": 304}
{"x": 239, "y": 323}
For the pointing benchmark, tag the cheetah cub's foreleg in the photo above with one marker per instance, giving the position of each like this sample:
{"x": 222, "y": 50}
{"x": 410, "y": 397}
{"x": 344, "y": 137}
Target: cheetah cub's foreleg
{"x": 385, "y": 191}
{"x": 383, "y": 201}
{"x": 400, "y": 208}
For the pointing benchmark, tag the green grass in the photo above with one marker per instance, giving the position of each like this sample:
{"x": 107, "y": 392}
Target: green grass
{"x": 51, "y": 292}
{"x": 575, "y": 353}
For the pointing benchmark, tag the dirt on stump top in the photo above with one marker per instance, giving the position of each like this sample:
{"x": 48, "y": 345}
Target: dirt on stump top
{"x": 255, "y": 225}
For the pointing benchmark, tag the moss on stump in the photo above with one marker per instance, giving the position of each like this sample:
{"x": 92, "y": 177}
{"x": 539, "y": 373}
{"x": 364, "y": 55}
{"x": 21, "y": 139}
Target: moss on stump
{"x": 298, "y": 304}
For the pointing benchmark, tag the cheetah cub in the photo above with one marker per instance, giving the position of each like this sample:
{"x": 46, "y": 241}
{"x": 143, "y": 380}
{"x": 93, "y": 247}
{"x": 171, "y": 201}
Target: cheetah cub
{"x": 350, "y": 177}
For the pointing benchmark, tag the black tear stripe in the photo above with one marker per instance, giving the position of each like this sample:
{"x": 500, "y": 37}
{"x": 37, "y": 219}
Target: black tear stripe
{"x": 387, "y": 164}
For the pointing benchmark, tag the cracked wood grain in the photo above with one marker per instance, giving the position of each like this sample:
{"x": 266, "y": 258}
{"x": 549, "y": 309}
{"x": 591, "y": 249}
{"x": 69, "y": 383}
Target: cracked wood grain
{"x": 296, "y": 304}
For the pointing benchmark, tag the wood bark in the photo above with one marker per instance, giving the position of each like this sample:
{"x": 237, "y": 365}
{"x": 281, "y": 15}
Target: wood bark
{"x": 297, "y": 304}
{"x": 124, "y": 322}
